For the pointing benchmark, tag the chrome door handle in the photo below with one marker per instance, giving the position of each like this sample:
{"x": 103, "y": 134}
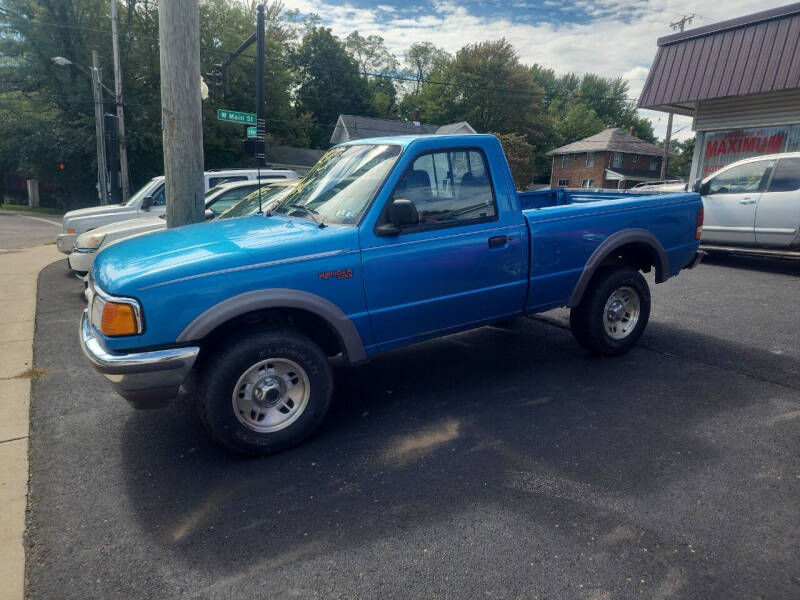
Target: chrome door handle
{"x": 747, "y": 201}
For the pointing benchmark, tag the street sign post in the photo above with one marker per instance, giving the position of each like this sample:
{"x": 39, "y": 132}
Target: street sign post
{"x": 252, "y": 132}
{"x": 234, "y": 116}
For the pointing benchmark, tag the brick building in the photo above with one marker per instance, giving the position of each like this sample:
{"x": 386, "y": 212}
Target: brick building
{"x": 609, "y": 159}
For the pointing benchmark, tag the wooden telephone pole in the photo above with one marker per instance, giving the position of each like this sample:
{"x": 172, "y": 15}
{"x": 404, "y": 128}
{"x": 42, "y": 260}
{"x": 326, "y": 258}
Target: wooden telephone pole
{"x": 123, "y": 147}
{"x": 181, "y": 110}
{"x": 678, "y": 25}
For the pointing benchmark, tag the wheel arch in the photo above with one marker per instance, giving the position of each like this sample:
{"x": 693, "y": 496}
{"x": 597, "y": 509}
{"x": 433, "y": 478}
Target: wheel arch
{"x": 637, "y": 248}
{"x": 284, "y": 301}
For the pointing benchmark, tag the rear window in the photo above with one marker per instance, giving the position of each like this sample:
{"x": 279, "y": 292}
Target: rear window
{"x": 786, "y": 177}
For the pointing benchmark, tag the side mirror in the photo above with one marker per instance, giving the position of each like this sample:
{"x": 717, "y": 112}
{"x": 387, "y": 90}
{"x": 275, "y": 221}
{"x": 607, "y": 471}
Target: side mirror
{"x": 210, "y": 214}
{"x": 147, "y": 202}
{"x": 402, "y": 213}
{"x": 697, "y": 186}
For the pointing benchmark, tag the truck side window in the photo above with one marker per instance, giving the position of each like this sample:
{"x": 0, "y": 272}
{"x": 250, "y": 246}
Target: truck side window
{"x": 740, "y": 180}
{"x": 159, "y": 197}
{"x": 786, "y": 177}
{"x": 449, "y": 187}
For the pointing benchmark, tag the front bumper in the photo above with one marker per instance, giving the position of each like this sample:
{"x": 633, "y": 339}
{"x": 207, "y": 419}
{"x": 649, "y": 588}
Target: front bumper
{"x": 65, "y": 242}
{"x": 145, "y": 379}
{"x": 81, "y": 260}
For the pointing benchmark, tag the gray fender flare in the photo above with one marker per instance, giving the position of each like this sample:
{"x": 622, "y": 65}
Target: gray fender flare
{"x": 611, "y": 243}
{"x": 215, "y": 316}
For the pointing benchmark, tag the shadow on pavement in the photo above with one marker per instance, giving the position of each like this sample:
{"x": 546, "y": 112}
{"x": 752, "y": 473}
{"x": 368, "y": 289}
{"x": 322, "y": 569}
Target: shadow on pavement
{"x": 520, "y": 419}
{"x": 778, "y": 266}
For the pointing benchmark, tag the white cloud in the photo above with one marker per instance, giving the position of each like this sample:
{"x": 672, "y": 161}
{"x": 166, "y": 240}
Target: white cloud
{"x": 620, "y": 41}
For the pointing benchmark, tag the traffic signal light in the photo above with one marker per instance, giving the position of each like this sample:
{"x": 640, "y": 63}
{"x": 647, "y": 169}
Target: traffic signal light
{"x": 62, "y": 166}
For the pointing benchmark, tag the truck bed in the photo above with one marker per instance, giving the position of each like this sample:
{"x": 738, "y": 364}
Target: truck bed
{"x": 562, "y": 196}
{"x": 567, "y": 226}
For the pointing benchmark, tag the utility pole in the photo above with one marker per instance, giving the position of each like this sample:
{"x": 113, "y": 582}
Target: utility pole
{"x": 181, "y": 110}
{"x": 260, "y": 122}
{"x": 678, "y": 25}
{"x": 123, "y": 150}
{"x": 666, "y": 148}
{"x": 681, "y": 23}
{"x": 97, "y": 89}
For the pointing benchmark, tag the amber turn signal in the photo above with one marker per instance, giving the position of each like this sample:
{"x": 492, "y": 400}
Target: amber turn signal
{"x": 118, "y": 319}
{"x": 70, "y": 230}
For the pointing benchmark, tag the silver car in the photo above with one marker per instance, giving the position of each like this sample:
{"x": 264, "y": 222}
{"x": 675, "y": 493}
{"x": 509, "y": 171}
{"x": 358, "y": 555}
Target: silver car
{"x": 754, "y": 202}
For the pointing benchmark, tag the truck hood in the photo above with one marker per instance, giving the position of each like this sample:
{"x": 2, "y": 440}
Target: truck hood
{"x": 132, "y": 226}
{"x": 96, "y": 210}
{"x": 204, "y": 249}
{"x": 88, "y": 218}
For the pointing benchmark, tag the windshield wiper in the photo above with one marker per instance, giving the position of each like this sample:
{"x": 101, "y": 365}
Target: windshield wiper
{"x": 310, "y": 212}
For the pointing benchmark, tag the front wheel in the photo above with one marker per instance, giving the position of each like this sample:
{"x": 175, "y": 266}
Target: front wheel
{"x": 265, "y": 392}
{"x": 613, "y": 313}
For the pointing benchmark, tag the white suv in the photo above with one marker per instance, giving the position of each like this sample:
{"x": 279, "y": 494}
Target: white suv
{"x": 150, "y": 201}
{"x": 753, "y": 202}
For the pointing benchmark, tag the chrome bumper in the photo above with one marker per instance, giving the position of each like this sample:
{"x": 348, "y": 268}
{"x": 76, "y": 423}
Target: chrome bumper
{"x": 145, "y": 379}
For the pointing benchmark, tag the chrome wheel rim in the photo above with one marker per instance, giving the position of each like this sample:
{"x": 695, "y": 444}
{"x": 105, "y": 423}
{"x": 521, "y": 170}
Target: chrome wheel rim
{"x": 271, "y": 395}
{"x": 621, "y": 313}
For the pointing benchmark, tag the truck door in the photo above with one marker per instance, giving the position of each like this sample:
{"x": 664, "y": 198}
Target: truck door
{"x": 729, "y": 203}
{"x": 778, "y": 212}
{"x": 464, "y": 262}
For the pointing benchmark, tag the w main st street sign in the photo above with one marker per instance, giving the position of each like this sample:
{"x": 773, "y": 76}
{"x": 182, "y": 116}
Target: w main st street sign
{"x": 234, "y": 116}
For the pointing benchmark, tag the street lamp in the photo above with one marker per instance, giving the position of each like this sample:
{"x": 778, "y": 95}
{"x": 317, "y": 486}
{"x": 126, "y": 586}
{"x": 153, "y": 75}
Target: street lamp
{"x": 97, "y": 86}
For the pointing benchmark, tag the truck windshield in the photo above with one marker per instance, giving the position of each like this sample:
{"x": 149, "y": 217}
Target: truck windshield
{"x": 250, "y": 203}
{"x": 143, "y": 191}
{"x": 341, "y": 185}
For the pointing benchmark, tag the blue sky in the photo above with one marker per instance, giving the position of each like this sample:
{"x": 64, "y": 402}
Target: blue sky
{"x": 611, "y": 37}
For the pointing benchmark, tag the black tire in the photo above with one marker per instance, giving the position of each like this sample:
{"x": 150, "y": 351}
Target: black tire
{"x": 586, "y": 319}
{"x": 221, "y": 372}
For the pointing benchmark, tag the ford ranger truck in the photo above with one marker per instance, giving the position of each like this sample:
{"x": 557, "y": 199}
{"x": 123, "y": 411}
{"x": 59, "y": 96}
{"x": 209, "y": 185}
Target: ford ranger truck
{"x": 386, "y": 242}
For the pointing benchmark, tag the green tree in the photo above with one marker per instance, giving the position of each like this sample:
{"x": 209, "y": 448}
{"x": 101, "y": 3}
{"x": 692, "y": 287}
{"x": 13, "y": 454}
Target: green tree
{"x": 375, "y": 60}
{"x": 520, "y": 156}
{"x": 330, "y": 83}
{"x": 422, "y": 58}
{"x": 486, "y": 86}
{"x": 681, "y": 165}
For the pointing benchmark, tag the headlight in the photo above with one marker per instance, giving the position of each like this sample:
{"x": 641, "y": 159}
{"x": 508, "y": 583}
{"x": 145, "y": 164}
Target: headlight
{"x": 89, "y": 240}
{"x": 115, "y": 316}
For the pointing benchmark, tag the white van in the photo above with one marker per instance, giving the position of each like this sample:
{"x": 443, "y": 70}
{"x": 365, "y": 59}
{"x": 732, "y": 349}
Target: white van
{"x": 150, "y": 201}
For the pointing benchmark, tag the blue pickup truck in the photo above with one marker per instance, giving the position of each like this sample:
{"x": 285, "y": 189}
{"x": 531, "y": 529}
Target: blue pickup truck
{"x": 386, "y": 242}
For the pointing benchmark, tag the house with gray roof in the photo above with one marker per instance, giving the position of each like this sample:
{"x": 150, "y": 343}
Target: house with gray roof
{"x": 353, "y": 127}
{"x": 609, "y": 159}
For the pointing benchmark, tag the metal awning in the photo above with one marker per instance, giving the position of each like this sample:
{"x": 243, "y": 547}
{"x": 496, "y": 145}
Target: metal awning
{"x": 754, "y": 54}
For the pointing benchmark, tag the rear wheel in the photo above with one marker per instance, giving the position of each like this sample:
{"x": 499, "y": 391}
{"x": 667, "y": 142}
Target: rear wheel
{"x": 613, "y": 313}
{"x": 266, "y": 392}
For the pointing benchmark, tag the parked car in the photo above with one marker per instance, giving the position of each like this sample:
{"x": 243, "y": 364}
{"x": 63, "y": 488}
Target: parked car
{"x": 385, "y": 242}
{"x": 149, "y": 200}
{"x": 753, "y": 203}
{"x": 217, "y": 201}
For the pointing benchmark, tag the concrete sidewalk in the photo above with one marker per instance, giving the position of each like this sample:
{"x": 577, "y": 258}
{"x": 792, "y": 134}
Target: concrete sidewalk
{"x": 19, "y": 271}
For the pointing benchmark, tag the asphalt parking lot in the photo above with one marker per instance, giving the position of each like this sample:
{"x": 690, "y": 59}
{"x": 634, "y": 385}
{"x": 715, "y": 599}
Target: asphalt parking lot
{"x": 494, "y": 463}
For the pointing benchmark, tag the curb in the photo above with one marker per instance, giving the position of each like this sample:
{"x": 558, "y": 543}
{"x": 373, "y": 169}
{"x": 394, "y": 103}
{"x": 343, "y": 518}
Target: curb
{"x": 19, "y": 273}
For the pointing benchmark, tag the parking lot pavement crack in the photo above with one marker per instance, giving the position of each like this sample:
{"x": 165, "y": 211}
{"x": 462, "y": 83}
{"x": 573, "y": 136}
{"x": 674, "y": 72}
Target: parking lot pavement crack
{"x": 22, "y": 437}
{"x": 560, "y": 325}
